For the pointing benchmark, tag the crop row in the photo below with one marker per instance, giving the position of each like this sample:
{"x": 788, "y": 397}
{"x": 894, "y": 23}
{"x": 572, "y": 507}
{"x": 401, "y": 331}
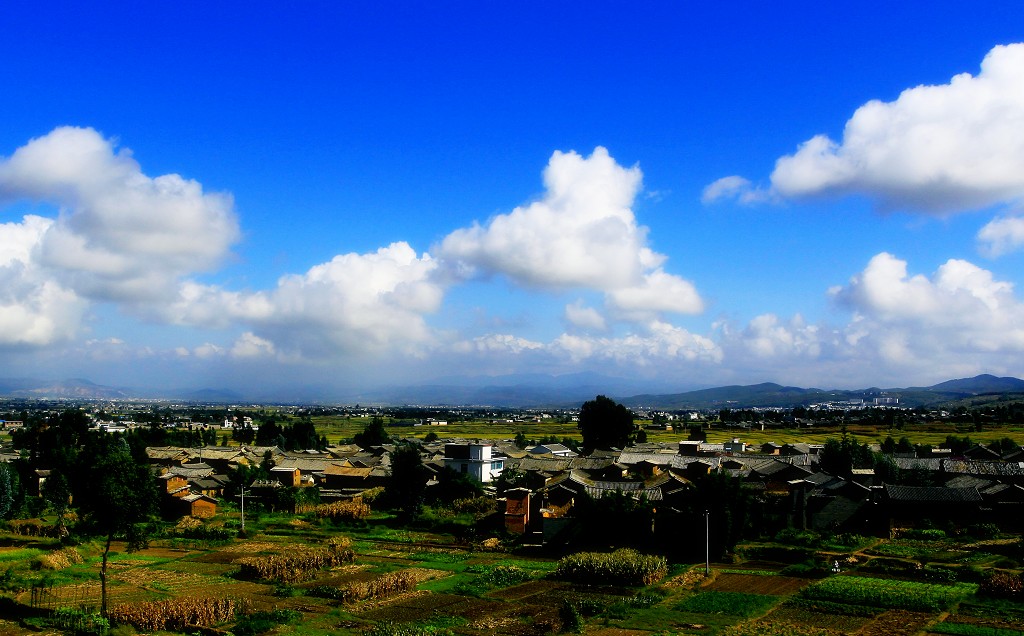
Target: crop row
{"x": 341, "y": 510}
{"x": 622, "y": 567}
{"x": 297, "y": 562}
{"x": 175, "y": 614}
{"x": 908, "y": 595}
{"x": 382, "y": 586}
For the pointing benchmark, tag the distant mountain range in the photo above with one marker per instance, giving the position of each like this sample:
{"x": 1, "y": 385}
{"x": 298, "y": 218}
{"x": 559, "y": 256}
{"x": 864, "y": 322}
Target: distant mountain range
{"x": 770, "y": 394}
{"x": 541, "y": 391}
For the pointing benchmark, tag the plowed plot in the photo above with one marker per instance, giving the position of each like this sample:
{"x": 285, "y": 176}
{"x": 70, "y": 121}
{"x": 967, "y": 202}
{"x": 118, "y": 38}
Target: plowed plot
{"x": 896, "y": 623}
{"x": 423, "y": 606}
{"x": 820, "y": 620}
{"x": 757, "y": 584}
{"x": 529, "y": 591}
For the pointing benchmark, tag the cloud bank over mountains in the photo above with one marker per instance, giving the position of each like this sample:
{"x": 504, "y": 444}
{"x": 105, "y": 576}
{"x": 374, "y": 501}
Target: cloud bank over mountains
{"x": 98, "y": 234}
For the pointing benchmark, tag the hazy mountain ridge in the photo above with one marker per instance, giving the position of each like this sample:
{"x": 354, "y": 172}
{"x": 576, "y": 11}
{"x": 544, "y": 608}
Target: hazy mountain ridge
{"x": 532, "y": 391}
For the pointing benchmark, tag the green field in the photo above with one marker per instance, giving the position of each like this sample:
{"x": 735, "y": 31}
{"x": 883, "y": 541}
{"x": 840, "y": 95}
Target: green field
{"x": 338, "y": 428}
{"x": 404, "y": 581}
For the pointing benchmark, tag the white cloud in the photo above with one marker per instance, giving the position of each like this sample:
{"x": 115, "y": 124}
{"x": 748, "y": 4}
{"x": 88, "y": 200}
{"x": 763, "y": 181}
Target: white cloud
{"x": 940, "y": 149}
{"x": 658, "y": 292}
{"x": 208, "y": 350}
{"x": 657, "y": 342}
{"x": 35, "y": 311}
{"x": 583, "y": 317}
{"x": 735, "y": 187}
{"x": 769, "y": 337}
{"x": 249, "y": 345}
{"x": 581, "y": 234}
{"x": 121, "y": 235}
{"x": 961, "y": 316}
{"x": 497, "y": 343}
{"x": 352, "y": 304}
{"x": 1001, "y": 235}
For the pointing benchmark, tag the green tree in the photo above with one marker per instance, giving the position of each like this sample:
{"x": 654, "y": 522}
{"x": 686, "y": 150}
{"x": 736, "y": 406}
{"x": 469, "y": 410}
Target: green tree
{"x": 605, "y": 423}
{"x": 373, "y": 434}
{"x": 9, "y": 487}
{"x": 407, "y": 484}
{"x": 57, "y": 492}
{"x": 115, "y": 496}
{"x": 520, "y": 441}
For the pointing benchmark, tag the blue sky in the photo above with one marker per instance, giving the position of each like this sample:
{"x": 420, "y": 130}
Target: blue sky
{"x": 354, "y": 194}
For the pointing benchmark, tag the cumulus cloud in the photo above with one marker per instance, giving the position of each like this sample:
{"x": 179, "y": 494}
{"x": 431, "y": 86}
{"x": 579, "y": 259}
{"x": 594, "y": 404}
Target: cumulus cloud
{"x": 656, "y": 342}
{"x": 581, "y": 234}
{"x": 768, "y": 336}
{"x": 35, "y": 310}
{"x": 735, "y": 187}
{"x": 1001, "y": 235}
{"x": 939, "y": 149}
{"x": 249, "y": 345}
{"x": 352, "y": 304}
{"x": 959, "y": 315}
{"x": 121, "y": 235}
{"x": 583, "y": 317}
{"x": 497, "y": 343}
{"x": 658, "y": 292}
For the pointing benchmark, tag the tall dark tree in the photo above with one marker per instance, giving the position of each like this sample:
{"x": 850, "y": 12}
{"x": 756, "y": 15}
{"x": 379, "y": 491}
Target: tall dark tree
{"x": 373, "y": 434}
{"x": 9, "y": 490}
{"x": 605, "y": 423}
{"x": 57, "y": 492}
{"x": 115, "y": 495}
{"x": 407, "y": 485}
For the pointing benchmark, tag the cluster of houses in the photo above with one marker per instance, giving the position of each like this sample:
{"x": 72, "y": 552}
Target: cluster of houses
{"x": 979, "y": 486}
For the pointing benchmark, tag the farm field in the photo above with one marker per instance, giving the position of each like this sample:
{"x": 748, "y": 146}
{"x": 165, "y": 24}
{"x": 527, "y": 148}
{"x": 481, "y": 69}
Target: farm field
{"x": 340, "y": 428}
{"x": 381, "y": 580}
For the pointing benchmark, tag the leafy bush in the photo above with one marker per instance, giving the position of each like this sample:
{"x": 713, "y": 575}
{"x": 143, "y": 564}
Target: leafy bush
{"x": 811, "y": 569}
{"x": 793, "y": 536}
{"x": 259, "y": 622}
{"x": 622, "y": 567}
{"x": 570, "y": 616}
{"x": 1003, "y": 585}
{"x": 923, "y": 534}
{"x": 982, "y": 530}
{"x": 79, "y": 622}
{"x": 505, "y": 575}
{"x": 778, "y": 553}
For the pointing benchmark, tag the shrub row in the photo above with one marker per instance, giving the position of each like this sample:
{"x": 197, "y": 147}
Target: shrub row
{"x": 297, "y": 562}
{"x": 622, "y": 567}
{"x": 175, "y": 614}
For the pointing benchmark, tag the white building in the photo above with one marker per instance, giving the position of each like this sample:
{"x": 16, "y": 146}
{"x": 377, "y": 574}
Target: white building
{"x": 474, "y": 460}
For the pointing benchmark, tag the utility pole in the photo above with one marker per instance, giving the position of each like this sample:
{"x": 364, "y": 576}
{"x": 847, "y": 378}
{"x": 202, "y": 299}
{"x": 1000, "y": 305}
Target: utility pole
{"x": 243, "y": 510}
{"x": 707, "y": 543}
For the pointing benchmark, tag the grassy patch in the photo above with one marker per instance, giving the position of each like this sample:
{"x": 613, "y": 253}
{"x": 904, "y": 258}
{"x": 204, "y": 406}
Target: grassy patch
{"x": 728, "y": 604}
{"x": 890, "y": 593}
